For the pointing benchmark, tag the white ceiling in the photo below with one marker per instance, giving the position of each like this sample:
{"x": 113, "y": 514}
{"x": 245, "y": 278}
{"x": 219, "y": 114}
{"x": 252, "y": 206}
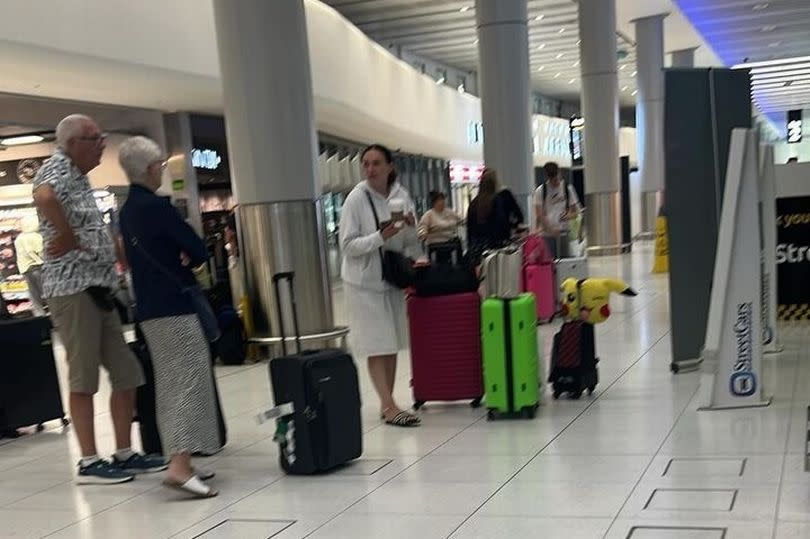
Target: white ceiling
{"x": 445, "y": 31}
{"x": 162, "y": 55}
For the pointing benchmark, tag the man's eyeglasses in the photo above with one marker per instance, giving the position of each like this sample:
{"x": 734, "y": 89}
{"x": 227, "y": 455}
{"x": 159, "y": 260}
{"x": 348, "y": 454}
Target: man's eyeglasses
{"x": 96, "y": 139}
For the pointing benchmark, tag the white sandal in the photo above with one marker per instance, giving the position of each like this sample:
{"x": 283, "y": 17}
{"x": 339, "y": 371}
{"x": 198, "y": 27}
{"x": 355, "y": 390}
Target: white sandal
{"x": 193, "y": 486}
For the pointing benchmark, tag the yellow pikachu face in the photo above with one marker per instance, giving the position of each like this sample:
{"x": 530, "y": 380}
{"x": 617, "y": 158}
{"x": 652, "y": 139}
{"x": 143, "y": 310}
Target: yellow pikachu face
{"x": 588, "y": 300}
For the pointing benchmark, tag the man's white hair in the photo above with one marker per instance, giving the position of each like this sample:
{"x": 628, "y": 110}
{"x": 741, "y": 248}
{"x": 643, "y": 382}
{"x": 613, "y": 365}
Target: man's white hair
{"x": 70, "y": 127}
{"x": 135, "y": 156}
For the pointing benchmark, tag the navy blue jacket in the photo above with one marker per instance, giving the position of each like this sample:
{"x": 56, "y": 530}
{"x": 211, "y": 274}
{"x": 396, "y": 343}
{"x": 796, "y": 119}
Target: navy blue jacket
{"x": 162, "y": 235}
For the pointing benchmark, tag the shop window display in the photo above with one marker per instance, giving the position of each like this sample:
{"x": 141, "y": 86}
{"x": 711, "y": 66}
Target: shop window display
{"x": 13, "y": 288}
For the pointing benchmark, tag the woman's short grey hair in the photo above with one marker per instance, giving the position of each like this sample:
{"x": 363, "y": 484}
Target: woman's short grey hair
{"x": 135, "y": 156}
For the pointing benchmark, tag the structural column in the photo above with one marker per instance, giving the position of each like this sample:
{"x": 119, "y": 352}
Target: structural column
{"x": 503, "y": 37}
{"x": 267, "y": 90}
{"x": 600, "y": 107}
{"x": 650, "y": 116}
{"x": 684, "y": 57}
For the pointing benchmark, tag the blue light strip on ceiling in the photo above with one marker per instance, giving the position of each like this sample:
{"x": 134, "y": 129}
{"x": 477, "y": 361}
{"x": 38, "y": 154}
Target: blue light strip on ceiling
{"x": 695, "y": 11}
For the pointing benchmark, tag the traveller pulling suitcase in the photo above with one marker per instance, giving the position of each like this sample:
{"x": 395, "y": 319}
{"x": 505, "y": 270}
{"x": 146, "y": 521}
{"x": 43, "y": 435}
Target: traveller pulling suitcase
{"x": 446, "y": 348}
{"x": 317, "y": 399}
{"x": 511, "y": 366}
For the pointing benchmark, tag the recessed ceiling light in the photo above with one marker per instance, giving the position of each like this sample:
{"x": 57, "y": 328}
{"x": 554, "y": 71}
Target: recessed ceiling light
{"x": 541, "y": 46}
{"x": 475, "y": 42}
{"x": 575, "y": 64}
{"x": 440, "y": 80}
{"x": 634, "y": 73}
{"x": 635, "y": 92}
{"x": 775, "y": 44}
{"x": 572, "y": 81}
{"x": 560, "y": 55}
{"x": 625, "y": 88}
{"x": 562, "y": 30}
{"x": 540, "y": 17}
{"x": 579, "y": 42}
{"x": 464, "y": 9}
{"x": 557, "y": 75}
{"x": 768, "y": 28}
{"x": 461, "y": 89}
{"x": 24, "y": 139}
{"x": 541, "y": 68}
{"x": 623, "y": 67}
{"x": 761, "y": 6}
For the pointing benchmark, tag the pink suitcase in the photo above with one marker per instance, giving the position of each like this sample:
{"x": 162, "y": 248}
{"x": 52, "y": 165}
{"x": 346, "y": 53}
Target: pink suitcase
{"x": 540, "y": 281}
{"x": 446, "y": 348}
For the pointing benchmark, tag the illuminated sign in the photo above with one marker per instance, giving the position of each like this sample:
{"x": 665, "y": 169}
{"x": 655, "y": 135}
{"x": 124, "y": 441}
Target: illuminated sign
{"x": 794, "y": 127}
{"x": 475, "y": 133}
{"x": 204, "y": 158}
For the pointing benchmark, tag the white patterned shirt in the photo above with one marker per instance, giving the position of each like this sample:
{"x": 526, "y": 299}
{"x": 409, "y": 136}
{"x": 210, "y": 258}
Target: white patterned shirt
{"x": 94, "y": 263}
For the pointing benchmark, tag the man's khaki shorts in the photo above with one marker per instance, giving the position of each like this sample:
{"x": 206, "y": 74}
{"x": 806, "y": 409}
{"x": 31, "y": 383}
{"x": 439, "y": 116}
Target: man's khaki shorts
{"x": 93, "y": 338}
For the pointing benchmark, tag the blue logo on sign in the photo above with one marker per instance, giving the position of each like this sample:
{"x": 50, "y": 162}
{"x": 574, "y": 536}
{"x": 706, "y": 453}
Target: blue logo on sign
{"x": 743, "y": 384}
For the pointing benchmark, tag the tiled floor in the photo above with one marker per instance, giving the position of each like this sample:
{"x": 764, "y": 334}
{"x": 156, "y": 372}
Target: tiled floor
{"x": 635, "y": 460}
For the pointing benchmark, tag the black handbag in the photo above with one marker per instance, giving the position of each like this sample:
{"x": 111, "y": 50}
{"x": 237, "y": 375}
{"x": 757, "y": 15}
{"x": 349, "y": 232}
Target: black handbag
{"x": 397, "y": 269}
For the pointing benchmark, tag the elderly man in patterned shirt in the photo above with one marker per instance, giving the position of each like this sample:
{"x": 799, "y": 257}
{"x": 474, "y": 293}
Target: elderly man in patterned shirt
{"x": 78, "y": 278}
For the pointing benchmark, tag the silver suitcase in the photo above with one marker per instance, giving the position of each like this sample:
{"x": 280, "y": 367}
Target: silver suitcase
{"x": 502, "y": 271}
{"x": 575, "y": 268}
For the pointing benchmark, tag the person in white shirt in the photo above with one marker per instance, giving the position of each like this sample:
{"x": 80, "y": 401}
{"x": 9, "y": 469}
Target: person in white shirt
{"x": 555, "y": 205}
{"x": 440, "y": 223}
{"x": 29, "y": 261}
{"x": 376, "y": 309}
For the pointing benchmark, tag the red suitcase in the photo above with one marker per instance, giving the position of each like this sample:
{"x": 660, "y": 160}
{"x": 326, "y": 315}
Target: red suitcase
{"x": 539, "y": 280}
{"x": 446, "y": 348}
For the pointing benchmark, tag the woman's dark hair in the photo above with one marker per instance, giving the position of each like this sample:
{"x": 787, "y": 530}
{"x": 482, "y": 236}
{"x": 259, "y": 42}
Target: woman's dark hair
{"x": 487, "y": 189}
{"x": 387, "y": 154}
{"x": 436, "y": 196}
{"x": 551, "y": 170}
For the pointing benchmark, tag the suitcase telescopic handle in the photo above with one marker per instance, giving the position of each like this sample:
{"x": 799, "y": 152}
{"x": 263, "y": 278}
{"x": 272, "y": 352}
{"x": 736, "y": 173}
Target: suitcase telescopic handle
{"x": 288, "y": 276}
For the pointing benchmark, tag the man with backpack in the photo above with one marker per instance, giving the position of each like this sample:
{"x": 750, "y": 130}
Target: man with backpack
{"x": 556, "y": 205}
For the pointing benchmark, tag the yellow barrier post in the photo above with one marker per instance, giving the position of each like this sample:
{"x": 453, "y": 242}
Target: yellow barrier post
{"x": 661, "y": 264}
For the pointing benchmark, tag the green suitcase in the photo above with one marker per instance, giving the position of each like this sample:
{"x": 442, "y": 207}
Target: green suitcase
{"x": 510, "y": 349}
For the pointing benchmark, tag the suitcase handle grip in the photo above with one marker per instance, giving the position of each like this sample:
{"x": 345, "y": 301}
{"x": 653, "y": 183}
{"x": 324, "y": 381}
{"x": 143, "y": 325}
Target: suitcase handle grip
{"x": 288, "y": 276}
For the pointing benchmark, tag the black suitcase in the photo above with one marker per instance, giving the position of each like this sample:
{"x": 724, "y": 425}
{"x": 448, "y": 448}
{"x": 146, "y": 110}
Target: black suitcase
{"x": 325, "y": 430}
{"x": 449, "y": 272}
{"x": 29, "y": 385}
{"x": 573, "y": 360}
{"x": 145, "y": 412}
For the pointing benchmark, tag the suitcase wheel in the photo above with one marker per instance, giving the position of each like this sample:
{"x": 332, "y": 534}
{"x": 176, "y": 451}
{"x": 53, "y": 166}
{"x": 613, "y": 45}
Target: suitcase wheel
{"x": 418, "y": 404}
{"x": 40, "y": 427}
{"x": 575, "y": 395}
{"x": 528, "y": 413}
{"x": 490, "y": 415}
{"x": 476, "y": 403}
{"x": 591, "y": 390}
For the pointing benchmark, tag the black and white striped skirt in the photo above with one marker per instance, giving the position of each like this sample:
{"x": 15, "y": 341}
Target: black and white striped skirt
{"x": 185, "y": 401}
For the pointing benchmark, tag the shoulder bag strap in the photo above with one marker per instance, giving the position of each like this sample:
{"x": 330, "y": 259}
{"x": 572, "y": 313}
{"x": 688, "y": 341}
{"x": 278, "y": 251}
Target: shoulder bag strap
{"x": 377, "y": 225}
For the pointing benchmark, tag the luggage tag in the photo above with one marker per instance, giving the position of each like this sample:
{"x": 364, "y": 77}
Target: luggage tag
{"x": 285, "y": 428}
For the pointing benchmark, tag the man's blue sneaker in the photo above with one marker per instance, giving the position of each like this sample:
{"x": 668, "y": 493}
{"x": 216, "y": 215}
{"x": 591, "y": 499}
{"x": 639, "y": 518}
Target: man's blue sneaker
{"x": 102, "y": 472}
{"x": 140, "y": 464}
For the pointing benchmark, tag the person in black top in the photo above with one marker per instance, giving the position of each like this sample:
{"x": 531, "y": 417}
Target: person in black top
{"x": 492, "y": 217}
{"x": 162, "y": 249}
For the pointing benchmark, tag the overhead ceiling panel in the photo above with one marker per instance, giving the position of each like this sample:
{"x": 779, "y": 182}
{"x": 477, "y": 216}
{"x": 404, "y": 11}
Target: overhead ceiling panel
{"x": 756, "y": 31}
{"x": 445, "y": 31}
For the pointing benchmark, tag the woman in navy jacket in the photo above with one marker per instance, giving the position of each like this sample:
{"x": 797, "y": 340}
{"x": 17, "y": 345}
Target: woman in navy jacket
{"x": 161, "y": 249}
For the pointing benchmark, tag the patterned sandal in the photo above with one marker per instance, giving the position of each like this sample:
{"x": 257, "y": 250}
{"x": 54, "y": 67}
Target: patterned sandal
{"x": 403, "y": 419}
